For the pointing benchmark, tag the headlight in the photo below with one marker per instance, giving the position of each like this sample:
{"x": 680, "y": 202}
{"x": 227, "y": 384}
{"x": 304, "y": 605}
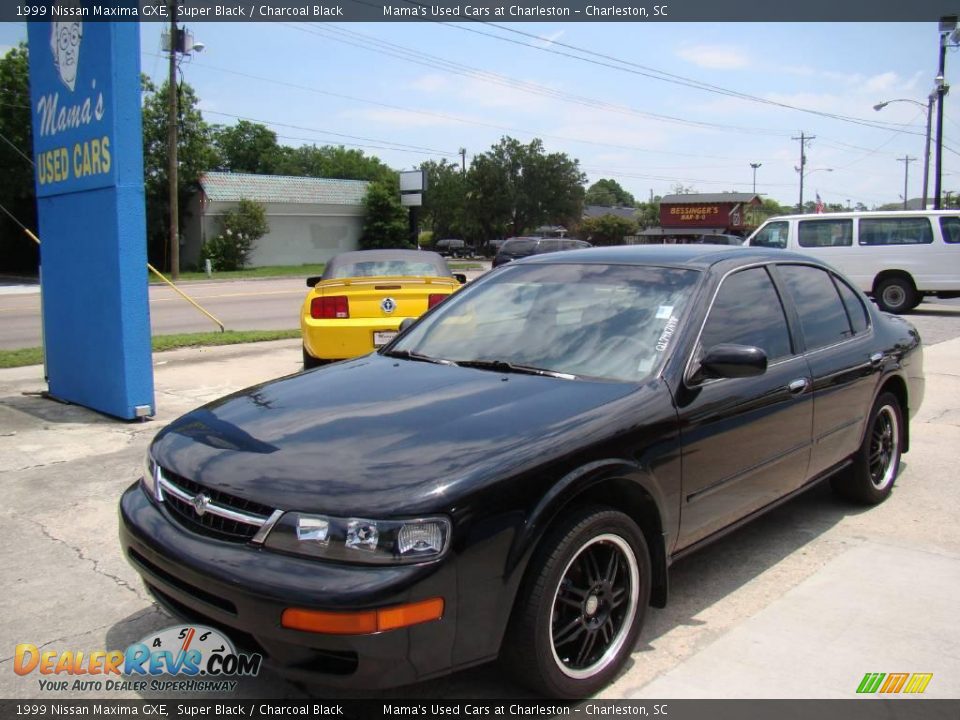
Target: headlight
{"x": 149, "y": 479}
{"x": 358, "y": 540}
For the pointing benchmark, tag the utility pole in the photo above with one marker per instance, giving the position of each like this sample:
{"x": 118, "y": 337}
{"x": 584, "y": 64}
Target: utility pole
{"x": 948, "y": 26}
{"x": 906, "y": 160}
{"x": 172, "y": 144}
{"x": 463, "y": 160}
{"x": 804, "y": 139}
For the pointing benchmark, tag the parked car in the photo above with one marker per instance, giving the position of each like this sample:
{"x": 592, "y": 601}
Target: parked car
{"x": 897, "y": 257}
{"x": 520, "y": 247}
{"x": 453, "y": 247}
{"x": 514, "y": 475}
{"x": 358, "y": 303}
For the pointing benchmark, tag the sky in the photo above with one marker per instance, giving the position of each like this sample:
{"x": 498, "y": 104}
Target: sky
{"x": 627, "y": 100}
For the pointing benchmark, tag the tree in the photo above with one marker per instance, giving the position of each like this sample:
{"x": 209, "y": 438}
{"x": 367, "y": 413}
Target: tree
{"x": 17, "y": 192}
{"x": 608, "y": 193}
{"x": 195, "y": 151}
{"x": 385, "y": 222}
{"x": 331, "y": 162}
{"x": 607, "y": 229}
{"x": 443, "y": 200}
{"x": 248, "y": 147}
{"x": 516, "y": 187}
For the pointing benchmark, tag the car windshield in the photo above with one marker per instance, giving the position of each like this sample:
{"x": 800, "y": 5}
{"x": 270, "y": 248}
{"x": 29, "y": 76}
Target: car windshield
{"x": 612, "y": 322}
{"x": 378, "y": 268}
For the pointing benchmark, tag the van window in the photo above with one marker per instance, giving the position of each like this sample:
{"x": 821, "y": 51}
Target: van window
{"x": 825, "y": 233}
{"x": 895, "y": 231}
{"x": 773, "y": 235}
{"x": 950, "y": 228}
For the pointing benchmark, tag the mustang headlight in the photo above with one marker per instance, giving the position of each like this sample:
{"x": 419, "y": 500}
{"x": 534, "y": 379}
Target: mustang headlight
{"x": 149, "y": 480}
{"x": 359, "y": 540}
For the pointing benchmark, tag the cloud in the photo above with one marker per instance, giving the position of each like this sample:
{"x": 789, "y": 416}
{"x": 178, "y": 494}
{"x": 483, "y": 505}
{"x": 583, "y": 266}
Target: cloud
{"x": 714, "y": 57}
{"x": 4, "y": 49}
{"x": 430, "y": 83}
{"x": 402, "y": 118}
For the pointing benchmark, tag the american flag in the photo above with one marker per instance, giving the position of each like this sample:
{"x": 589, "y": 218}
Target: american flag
{"x": 820, "y": 206}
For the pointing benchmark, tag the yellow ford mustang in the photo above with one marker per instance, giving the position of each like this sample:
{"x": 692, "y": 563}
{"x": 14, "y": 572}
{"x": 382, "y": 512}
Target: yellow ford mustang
{"x": 358, "y": 303}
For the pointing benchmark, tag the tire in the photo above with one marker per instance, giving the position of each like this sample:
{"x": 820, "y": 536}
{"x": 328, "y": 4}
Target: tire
{"x": 581, "y": 605}
{"x": 877, "y": 462}
{"x": 896, "y": 295}
{"x": 310, "y": 362}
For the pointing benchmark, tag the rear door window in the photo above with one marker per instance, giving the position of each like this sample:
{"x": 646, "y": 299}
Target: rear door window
{"x": 853, "y": 302}
{"x": 895, "y": 231}
{"x": 823, "y": 316}
{"x": 950, "y": 228}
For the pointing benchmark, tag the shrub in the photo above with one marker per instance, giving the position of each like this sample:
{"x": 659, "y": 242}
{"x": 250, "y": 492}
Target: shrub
{"x": 239, "y": 230}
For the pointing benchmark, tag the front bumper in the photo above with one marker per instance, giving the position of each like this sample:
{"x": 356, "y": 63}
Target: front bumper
{"x": 243, "y": 589}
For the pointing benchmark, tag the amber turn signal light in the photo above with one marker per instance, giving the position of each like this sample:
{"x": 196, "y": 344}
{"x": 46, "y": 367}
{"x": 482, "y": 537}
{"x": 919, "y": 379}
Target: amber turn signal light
{"x": 364, "y": 622}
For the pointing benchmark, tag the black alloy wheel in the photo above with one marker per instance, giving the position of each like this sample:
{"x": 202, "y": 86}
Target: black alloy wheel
{"x": 581, "y": 605}
{"x": 874, "y": 471}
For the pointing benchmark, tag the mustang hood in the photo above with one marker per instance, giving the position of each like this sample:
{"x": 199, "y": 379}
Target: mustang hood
{"x": 379, "y": 435}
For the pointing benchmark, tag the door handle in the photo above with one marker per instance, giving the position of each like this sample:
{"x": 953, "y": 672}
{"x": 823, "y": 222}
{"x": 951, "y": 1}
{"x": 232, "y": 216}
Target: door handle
{"x": 798, "y": 386}
{"x": 876, "y": 358}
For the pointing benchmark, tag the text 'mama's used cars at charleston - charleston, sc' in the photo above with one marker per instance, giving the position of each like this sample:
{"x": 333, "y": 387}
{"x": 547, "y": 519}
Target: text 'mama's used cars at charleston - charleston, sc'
{"x": 513, "y": 476}
{"x": 358, "y": 303}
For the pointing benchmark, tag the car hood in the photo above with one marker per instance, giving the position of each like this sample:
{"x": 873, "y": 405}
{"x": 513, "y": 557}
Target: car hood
{"x": 378, "y": 435}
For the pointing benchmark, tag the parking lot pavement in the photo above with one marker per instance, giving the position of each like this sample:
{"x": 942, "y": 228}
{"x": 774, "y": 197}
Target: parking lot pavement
{"x": 801, "y": 603}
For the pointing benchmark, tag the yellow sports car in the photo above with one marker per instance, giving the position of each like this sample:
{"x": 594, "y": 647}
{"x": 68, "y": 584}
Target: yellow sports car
{"x": 358, "y": 303}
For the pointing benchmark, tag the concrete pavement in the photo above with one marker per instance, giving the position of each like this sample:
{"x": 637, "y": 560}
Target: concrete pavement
{"x": 801, "y": 603}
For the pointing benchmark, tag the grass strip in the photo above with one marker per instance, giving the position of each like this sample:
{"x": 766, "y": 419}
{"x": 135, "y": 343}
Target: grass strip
{"x": 34, "y": 356}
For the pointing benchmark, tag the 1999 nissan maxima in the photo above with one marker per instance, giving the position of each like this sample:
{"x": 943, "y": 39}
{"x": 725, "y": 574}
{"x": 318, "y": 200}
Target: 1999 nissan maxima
{"x": 514, "y": 474}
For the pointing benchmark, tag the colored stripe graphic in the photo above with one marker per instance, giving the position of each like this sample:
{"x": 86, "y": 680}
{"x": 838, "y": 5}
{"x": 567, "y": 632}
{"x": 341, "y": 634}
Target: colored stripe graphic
{"x": 918, "y": 683}
{"x": 870, "y": 682}
{"x": 894, "y": 683}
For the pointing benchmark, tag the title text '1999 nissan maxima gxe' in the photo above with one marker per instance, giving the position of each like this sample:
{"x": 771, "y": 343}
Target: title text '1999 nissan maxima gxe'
{"x": 513, "y": 475}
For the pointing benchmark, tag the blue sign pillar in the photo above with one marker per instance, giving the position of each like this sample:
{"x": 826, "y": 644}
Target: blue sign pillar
{"x": 88, "y": 150}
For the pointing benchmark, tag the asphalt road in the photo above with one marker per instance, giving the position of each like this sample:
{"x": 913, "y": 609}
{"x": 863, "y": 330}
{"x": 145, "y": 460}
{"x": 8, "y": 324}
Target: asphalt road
{"x": 274, "y": 304}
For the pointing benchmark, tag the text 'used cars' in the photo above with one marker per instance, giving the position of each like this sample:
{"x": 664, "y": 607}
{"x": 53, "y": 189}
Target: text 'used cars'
{"x": 514, "y": 475}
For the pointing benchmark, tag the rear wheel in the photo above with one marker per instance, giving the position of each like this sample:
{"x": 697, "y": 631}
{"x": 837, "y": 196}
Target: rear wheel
{"x": 870, "y": 480}
{"x": 897, "y": 295}
{"x": 581, "y": 605}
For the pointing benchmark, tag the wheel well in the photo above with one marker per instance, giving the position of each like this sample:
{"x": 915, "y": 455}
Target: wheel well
{"x": 898, "y": 388}
{"x": 631, "y": 499}
{"x": 888, "y": 274}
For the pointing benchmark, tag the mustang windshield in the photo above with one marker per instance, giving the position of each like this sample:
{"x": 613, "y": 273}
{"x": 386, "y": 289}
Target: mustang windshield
{"x": 612, "y": 322}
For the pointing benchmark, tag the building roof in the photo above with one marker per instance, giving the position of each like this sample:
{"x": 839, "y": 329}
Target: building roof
{"x": 592, "y": 211}
{"x": 695, "y": 198}
{"x": 233, "y": 187}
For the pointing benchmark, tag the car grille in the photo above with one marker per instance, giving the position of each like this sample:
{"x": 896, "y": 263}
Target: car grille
{"x": 212, "y": 512}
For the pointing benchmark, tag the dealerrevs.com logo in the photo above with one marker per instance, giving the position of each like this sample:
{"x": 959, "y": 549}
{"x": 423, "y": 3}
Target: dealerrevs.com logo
{"x": 202, "y": 658}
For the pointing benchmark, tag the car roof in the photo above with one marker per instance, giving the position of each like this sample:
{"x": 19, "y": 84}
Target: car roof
{"x": 691, "y": 256}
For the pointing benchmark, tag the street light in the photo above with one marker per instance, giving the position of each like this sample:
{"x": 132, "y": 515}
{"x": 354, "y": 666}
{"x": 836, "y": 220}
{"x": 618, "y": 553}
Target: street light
{"x": 949, "y": 35}
{"x": 926, "y": 155}
{"x": 804, "y": 174}
{"x": 755, "y": 166}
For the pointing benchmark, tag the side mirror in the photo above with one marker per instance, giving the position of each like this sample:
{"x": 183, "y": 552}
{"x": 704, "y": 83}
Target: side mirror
{"x": 461, "y": 278}
{"x": 732, "y": 361}
{"x": 312, "y": 281}
{"x": 406, "y": 322}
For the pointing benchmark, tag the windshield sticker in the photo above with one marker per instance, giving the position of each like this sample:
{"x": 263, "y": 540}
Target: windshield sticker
{"x": 668, "y": 330}
{"x": 664, "y": 311}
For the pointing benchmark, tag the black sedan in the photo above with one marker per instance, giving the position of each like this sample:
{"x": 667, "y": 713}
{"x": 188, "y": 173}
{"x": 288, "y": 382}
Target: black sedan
{"x": 513, "y": 476}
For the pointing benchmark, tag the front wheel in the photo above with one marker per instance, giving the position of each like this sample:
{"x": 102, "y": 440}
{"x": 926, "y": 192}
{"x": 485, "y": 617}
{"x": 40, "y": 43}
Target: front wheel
{"x": 870, "y": 480}
{"x": 581, "y": 605}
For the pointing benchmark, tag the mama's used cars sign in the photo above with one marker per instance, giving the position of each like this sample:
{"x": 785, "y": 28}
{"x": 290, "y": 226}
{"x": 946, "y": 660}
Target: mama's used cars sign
{"x": 72, "y": 115}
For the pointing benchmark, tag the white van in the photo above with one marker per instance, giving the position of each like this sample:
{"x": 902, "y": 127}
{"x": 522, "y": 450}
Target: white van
{"x": 898, "y": 257}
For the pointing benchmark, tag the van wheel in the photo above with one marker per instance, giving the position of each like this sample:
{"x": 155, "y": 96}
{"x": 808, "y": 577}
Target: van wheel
{"x": 875, "y": 466}
{"x": 581, "y": 605}
{"x": 896, "y": 295}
